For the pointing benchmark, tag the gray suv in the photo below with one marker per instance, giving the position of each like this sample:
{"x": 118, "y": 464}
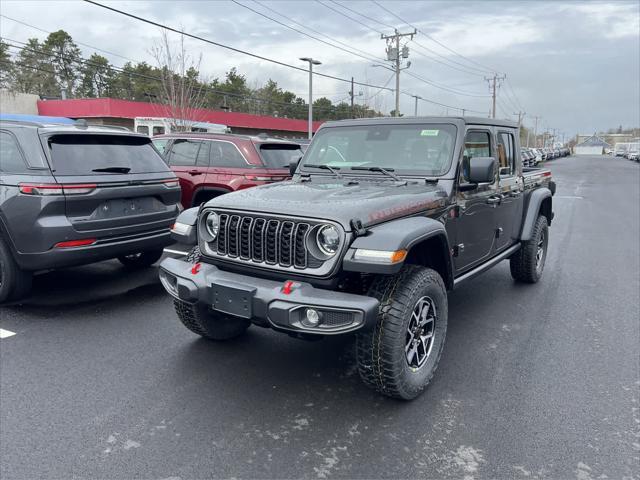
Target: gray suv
{"x": 74, "y": 194}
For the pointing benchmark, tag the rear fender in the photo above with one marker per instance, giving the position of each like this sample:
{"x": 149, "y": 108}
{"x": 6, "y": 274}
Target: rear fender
{"x": 540, "y": 203}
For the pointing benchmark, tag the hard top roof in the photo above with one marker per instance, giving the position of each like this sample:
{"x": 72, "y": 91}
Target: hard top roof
{"x": 418, "y": 120}
{"x": 45, "y": 127}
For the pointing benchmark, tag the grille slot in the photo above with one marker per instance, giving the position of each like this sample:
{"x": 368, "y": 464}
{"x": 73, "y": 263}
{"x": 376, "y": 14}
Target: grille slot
{"x": 263, "y": 240}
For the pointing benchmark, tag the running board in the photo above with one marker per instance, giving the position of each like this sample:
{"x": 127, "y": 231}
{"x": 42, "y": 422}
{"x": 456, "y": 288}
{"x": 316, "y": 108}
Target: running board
{"x": 487, "y": 265}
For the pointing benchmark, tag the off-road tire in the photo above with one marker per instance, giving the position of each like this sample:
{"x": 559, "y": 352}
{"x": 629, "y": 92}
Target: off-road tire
{"x": 142, "y": 259}
{"x": 206, "y": 323}
{"x": 523, "y": 264}
{"x": 380, "y": 351}
{"x": 14, "y": 283}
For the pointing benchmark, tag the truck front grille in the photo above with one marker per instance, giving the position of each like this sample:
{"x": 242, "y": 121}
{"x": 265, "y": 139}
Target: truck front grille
{"x": 271, "y": 241}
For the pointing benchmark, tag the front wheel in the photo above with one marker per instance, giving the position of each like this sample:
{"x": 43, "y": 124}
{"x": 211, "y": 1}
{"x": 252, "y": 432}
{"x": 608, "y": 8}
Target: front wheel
{"x": 141, "y": 259}
{"x": 400, "y": 354}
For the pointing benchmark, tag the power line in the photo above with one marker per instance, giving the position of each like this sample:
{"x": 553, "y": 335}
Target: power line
{"x": 371, "y": 59}
{"x": 350, "y": 17}
{"x": 363, "y": 15}
{"x": 433, "y": 84}
{"x": 313, "y": 30}
{"x": 484, "y": 67}
{"x": 228, "y": 47}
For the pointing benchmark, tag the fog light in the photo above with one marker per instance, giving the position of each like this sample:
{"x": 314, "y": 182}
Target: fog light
{"x": 312, "y": 318}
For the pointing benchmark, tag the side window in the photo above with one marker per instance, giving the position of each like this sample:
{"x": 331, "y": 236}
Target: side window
{"x": 477, "y": 143}
{"x": 158, "y": 130}
{"x": 143, "y": 129}
{"x": 225, "y": 154}
{"x": 506, "y": 154}
{"x": 203, "y": 154}
{"x": 161, "y": 144}
{"x": 184, "y": 153}
{"x": 11, "y": 160}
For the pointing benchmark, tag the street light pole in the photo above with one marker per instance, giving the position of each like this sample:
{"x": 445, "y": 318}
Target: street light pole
{"x": 312, "y": 62}
{"x": 415, "y": 110}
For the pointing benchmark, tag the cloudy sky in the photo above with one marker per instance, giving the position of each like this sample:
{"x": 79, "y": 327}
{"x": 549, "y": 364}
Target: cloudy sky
{"x": 574, "y": 64}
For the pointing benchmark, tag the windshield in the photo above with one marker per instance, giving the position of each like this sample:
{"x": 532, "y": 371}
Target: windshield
{"x": 279, "y": 155}
{"x": 411, "y": 149}
{"x": 100, "y": 154}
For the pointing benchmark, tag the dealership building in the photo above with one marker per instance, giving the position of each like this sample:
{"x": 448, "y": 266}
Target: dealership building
{"x": 125, "y": 113}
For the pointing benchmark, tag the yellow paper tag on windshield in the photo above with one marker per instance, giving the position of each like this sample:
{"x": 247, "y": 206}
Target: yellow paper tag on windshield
{"x": 429, "y": 133}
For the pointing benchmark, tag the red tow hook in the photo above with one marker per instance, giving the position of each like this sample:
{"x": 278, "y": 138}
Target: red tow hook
{"x": 196, "y": 268}
{"x": 288, "y": 287}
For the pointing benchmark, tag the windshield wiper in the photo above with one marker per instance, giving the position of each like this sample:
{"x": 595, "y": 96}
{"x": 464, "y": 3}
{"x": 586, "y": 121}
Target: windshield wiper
{"x": 386, "y": 171}
{"x": 112, "y": 170}
{"x": 333, "y": 170}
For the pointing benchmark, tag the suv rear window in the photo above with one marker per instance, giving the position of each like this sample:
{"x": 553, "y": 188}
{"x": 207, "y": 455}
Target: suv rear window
{"x": 279, "y": 155}
{"x": 83, "y": 154}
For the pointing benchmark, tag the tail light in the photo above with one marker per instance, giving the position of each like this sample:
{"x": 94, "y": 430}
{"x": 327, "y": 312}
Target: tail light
{"x": 171, "y": 183}
{"x": 56, "y": 188}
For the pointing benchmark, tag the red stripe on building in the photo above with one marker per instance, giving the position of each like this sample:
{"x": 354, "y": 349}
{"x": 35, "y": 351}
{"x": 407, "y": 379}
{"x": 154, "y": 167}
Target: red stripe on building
{"x": 113, "y": 108}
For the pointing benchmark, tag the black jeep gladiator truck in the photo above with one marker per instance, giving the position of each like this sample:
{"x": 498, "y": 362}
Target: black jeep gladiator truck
{"x": 381, "y": 218}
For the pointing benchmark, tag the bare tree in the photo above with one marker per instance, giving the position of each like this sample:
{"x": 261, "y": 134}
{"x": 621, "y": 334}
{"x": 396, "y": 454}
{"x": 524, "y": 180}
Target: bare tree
{"x": 182, "y": 93}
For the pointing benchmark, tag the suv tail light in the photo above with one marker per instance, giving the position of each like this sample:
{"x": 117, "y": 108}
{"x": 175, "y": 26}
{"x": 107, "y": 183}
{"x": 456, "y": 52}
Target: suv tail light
{"x": 171, "y": 183}
{"x": 56, "y": 188}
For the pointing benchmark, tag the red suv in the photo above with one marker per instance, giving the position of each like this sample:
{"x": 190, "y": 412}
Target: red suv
{"x": 210, "y": 164}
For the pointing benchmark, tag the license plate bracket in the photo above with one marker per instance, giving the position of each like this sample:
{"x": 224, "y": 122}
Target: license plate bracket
{"x": 233, "y": 298}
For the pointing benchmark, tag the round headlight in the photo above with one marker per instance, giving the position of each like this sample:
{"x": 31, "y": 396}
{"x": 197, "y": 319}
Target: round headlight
{"x": 328, "y": 240}
{"x": 212, "y": 224}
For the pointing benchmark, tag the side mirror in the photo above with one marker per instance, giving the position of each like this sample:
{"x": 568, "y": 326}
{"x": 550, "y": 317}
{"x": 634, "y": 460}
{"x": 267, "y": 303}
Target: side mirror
{"x": 482, "y": 170}
{"x": 293, "y": 166}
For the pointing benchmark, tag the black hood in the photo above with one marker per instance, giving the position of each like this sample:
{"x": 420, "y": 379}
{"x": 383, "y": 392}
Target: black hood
{"x": 333, "y": 199}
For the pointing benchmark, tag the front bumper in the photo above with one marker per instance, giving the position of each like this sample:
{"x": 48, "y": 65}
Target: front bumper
{"x": 267, "y": 302}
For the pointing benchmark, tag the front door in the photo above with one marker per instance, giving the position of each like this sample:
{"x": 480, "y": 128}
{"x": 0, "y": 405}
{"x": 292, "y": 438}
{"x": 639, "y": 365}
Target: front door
{"x": 509, "y": 211}
{"x": 476, "y": 222}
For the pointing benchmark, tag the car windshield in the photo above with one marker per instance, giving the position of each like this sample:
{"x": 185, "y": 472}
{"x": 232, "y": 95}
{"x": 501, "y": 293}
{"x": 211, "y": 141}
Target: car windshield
{"x": 279, "y": 155}
{"x": 425, "y": 149}
{"x": 99, "y": 154}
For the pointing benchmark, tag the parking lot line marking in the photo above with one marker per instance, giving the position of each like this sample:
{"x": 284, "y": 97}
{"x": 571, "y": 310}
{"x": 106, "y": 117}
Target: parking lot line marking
{"x": 6, "y": 333}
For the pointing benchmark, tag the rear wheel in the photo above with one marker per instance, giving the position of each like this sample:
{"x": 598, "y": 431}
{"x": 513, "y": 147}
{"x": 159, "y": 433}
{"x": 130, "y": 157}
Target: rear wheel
{"x": 206, "y": 323}
{"x": 141, "y": 259}
{"x": 14, "y": 283}
{"x": 527, "y": 264}
{"x": 400, "y": 354}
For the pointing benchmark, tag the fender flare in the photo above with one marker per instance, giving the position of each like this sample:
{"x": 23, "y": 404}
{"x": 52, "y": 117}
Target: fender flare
{"x": 186, "y": 234}
{"x": 402, "y": 234}
{"x": 533, "y": 210}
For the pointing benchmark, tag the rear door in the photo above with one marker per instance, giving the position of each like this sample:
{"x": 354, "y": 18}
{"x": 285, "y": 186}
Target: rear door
{"x": 228, "y": 166}
{"x": 189, "y": 160}
{"x": 509, "y": 211}
{"x": 114, "y": 184}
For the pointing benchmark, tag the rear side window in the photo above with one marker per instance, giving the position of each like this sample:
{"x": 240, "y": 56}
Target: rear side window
{"x": 226, "y": 154}
{"x": 276, "y": 155}
{"x": 506, "y": 154}
{"x": 184, "y": 153}
{"x": 92, "y": 154}
{"x": 11, "y": 160}
{"x": 161, "y": 144}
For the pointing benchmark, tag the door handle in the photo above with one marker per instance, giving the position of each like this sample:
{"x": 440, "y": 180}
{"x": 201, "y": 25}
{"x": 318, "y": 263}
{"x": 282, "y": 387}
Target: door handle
{"x": 195, "y": 172}
{"x": 494, "y": 200}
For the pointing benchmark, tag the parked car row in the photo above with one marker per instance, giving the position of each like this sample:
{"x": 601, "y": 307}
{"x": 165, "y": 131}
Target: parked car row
{"x": 632, "y": 152}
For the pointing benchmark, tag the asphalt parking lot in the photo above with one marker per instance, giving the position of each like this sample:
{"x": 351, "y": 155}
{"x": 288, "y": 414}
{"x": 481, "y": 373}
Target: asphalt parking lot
{"x": 101, "y": 381}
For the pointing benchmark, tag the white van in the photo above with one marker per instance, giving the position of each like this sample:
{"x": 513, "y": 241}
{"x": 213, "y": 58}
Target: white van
{"x": 153, "y": 126}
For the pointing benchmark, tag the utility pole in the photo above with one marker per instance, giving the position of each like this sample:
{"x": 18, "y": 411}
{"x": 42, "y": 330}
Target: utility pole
{"x": 520, "y": 117}
{"x": 463, "y": 111}
{"x": 395, "y": 54}
{"x": 415, "y": 110}
{"x": 352, "y": 94}
{"x": 312, "y": 62}
{"x": 493, "y": 86}
{"x": 535, "y": 131}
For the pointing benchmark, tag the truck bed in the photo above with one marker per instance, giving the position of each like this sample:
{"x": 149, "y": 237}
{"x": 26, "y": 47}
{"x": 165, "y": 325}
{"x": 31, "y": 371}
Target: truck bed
{"x": 537, "y": 177}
